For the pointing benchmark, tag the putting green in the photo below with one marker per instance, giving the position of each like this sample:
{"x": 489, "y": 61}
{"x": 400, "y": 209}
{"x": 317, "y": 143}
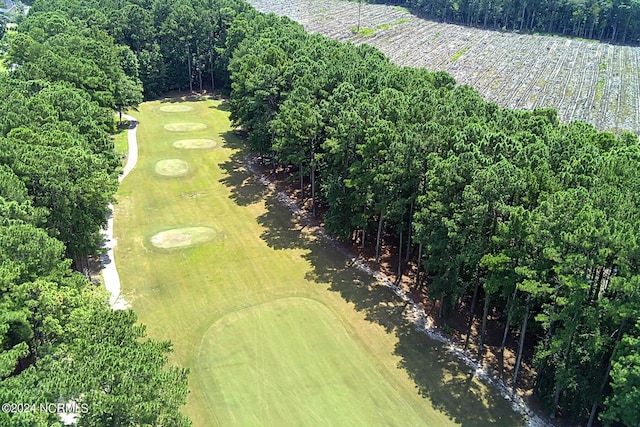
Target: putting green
{"x": 195, "y": 143}
{"x": 184, "y": 127}
{"x": 183, "y": 237}
{"x": 177, "y": 108}
{"x": 172, "y": 167}
{"x": 290, "y": 362}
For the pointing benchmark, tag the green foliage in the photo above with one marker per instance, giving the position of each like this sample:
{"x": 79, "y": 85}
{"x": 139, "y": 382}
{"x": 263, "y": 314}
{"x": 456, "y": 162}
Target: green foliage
{"x": 392, "y": 24}
{"x": 364, "y": 31}
{"x": 459, "y": 53}
{"x": 529, "y": 208}
{"x": 623, "y": 406}
{"x": 60, "y": 340}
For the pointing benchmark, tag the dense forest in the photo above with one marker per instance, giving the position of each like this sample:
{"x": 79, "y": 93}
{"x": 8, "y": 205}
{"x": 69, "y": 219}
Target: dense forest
{"x": 616, "y": 21}
{"x": 61, "y": 343}
{"x": 509, "y": 214}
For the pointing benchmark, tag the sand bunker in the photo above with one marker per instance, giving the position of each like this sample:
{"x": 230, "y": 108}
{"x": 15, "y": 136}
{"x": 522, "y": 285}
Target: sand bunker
{"x": 172, "y": 167}
{"x": 176, "y": 108}
{"x": 184, "y": 127}
{"x": 183, "y": 237}
{"x": 195, "y": 143}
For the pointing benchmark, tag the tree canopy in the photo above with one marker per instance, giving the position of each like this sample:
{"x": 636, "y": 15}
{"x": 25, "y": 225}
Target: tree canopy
{"x": 60, "y": 341}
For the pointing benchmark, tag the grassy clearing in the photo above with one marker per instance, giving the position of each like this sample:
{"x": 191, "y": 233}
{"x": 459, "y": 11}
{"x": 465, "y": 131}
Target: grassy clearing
{"x": 392, "y": 24}
{"x": 363, "y": 31}
{"x": 459, "y": 53}
{"x": 275, "y": 326}
{"x": 298, "y": 369}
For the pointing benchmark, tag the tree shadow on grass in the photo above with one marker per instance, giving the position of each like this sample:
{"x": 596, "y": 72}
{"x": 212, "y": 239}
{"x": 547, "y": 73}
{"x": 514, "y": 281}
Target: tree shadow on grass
{"x": 177, "y": 97}
{"x": 232, "y": 140}
{"x": 245, "y": 186}
{"x": 281, "y": 229}
{"x": 223, "y": 106}
{"x": 439, "y": 376}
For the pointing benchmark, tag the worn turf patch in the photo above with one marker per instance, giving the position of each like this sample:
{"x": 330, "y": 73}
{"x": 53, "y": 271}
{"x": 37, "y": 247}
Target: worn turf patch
{"x": 185, "y": 127}
{"x": 195, "y": 143}
{"x": 183, "y": 237}
{"x": 176, "y": 108}
{"x": 172, "y": 167}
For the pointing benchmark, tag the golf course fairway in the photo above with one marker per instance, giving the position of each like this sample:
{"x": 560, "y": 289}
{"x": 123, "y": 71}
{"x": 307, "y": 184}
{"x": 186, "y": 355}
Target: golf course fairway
{"x": 276, "y": 327}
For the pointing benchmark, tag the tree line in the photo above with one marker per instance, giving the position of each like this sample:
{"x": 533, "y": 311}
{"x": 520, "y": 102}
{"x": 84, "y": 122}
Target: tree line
{"x": 179, "y": 45}
{"x": 60, "y": 341}
{"x": 511, "y": 214}
{"x": 616, "y": 21}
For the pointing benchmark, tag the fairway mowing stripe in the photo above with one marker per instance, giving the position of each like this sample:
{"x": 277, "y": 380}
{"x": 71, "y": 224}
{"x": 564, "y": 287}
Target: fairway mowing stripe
{"x": 176, "y": 108}
{"x": 185, "y": 127}
{"x": 195, "y": 144}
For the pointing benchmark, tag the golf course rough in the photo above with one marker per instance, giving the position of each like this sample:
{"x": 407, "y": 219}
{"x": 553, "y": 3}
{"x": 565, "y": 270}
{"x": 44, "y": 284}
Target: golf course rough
{"x": 191, "y": 144}
{"x": 185, "y": 127}
{"x": 183, "y": 237}
{"x": 172, "y": 167}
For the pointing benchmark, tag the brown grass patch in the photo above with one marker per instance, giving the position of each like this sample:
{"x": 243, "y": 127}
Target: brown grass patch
{"x": 176, "y": 108}
{"x": 183, "y": 237}
{"x": 172, "y": 167}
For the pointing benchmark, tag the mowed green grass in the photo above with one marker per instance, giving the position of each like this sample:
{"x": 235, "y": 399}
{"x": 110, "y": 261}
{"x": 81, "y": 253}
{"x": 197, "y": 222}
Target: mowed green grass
{"x": 293, "y": 363}
{"x": 275, "y": 326}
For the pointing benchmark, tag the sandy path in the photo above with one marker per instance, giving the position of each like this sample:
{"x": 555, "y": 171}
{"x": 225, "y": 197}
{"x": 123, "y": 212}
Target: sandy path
{"x": 108, "y": 261}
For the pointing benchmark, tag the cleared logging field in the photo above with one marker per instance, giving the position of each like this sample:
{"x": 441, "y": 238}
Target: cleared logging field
{"x": 276, "y": 327}
{"x": 584, "y": 80}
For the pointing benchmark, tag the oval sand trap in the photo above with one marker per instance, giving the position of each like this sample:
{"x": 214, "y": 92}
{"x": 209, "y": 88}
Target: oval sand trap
{"x": 172, "y": 167}
{"x": 184, "y": 127}
{"x": 176, "y": 108}
{"x": 195, "y": 143}
{"x": 183, "y": 237}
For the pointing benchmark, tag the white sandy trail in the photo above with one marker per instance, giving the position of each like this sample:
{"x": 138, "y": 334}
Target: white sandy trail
{"x": 108, "y": 261}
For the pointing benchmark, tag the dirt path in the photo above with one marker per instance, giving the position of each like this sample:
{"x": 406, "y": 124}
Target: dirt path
{"x": 108, "y": 261}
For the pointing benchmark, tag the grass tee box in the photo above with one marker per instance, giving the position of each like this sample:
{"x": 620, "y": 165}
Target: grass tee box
{"x": 290, "y": 362}
{"x": 276, "y": 328}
